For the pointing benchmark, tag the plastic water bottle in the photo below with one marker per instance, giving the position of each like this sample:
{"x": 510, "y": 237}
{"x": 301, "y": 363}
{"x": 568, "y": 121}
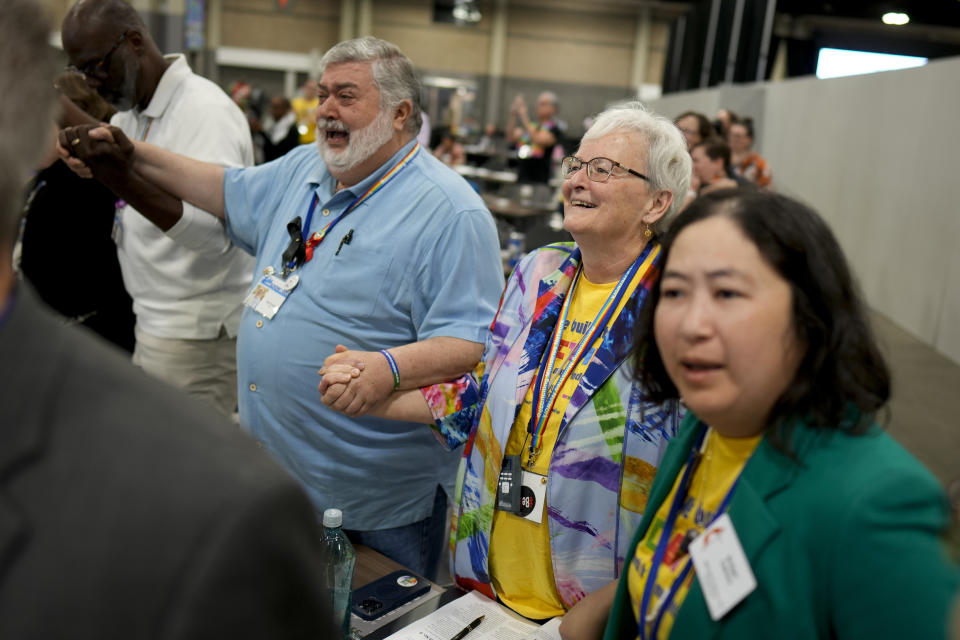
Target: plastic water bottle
{"x": 339, "y": 560}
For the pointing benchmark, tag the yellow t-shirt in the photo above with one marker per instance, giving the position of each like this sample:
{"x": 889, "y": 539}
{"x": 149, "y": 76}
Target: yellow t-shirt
{"x": 723, "y": 459}
{"x": 521, "y": 568}
{"x": 306, "y": 111}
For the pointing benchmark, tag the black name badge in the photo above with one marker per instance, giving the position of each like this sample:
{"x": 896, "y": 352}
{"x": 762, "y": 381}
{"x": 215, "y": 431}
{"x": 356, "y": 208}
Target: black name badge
{"x": 509, "y": 486}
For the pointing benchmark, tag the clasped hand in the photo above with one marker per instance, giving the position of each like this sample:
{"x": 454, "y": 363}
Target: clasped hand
{"x": 355, "y": 382}
{"x": 93, "y": 150}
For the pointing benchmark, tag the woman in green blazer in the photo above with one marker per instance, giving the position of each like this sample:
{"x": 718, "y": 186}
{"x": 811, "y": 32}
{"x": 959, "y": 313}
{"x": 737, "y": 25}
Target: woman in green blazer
{"x": 757, "y": 325}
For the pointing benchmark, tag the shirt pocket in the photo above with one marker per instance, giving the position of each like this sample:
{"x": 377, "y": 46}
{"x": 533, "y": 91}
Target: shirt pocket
{"x": 363, "y": 277}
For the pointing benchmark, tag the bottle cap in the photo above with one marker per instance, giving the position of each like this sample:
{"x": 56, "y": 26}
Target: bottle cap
{"x": 332, "y": 518}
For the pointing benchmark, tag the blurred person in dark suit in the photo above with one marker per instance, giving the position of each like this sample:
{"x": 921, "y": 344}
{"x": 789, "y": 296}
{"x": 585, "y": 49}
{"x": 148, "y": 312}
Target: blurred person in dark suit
{"x": 127, "y": 510}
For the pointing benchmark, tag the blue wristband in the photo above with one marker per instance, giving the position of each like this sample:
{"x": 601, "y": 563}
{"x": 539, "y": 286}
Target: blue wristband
{"x": 393, "y": 368}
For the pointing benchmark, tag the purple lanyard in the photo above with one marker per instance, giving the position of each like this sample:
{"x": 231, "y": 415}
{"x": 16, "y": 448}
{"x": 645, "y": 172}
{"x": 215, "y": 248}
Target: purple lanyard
{"x": 692, "y": 462}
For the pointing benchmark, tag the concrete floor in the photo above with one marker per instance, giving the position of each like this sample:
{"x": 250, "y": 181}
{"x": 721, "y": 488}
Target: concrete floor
{"x": 925, "y": 410}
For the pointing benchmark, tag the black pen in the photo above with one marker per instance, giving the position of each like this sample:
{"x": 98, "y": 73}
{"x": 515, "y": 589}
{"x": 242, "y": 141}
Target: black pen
{"x": 344, "y": 240}
{"x": 470, "y": 627}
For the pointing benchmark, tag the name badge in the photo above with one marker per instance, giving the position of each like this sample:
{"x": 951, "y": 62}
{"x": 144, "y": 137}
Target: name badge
{"x": 520, "y": 492}
{"x": 270, "y": 293}
{"x": 722, "y": 567}
{"x": 532, "y": 496}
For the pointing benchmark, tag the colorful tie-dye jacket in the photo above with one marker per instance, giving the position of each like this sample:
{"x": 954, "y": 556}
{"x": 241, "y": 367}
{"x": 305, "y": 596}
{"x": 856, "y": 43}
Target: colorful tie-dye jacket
{"x": 610, "y": 443}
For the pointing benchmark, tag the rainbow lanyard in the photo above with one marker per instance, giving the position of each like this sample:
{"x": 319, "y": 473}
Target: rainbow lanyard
{"x": 318, "y": 236}
{"x": 146, "y": 128}
{"x": 544, "y": 394}
{"x": 528, "y": 139}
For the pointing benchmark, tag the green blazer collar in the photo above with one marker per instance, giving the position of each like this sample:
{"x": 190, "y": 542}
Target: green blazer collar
{"x": 767, "y": 472}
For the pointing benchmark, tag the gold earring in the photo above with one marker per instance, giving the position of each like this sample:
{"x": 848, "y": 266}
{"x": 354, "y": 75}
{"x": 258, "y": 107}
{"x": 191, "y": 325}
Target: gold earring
{"x": 647, "y": 231}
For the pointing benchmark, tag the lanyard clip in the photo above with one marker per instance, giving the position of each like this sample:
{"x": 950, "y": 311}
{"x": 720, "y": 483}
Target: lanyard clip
{"x": 532, "y": 456}
{"x": 295, "y": 254}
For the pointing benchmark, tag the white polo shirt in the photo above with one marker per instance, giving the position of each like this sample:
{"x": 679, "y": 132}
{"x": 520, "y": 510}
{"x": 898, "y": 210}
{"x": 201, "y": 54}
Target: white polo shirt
{"x": 189, "y": 281}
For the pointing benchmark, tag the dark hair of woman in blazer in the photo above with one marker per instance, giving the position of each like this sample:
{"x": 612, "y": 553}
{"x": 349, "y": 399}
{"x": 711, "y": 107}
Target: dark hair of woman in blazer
{"x": 842, "y": 366}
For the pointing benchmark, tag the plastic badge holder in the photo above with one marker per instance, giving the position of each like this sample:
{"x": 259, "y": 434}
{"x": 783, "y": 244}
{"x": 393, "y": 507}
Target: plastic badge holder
{"x": 386, "y": 594}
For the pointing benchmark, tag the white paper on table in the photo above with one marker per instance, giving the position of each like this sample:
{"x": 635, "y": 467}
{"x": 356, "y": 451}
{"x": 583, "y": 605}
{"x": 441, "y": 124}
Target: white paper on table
{"x": 549, "y": 631}
{"x": 499, "y": 623}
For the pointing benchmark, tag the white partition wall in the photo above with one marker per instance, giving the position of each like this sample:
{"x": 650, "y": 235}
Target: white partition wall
{"x": 876, "y": 155}
{"x": 671, "y": 105}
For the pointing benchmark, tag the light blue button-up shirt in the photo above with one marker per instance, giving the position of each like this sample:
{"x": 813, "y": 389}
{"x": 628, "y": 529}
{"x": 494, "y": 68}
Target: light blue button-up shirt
{"x": 423, "y": 261}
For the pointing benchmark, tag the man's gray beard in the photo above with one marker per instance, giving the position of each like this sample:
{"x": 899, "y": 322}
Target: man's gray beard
{"x": 363, "y": 143}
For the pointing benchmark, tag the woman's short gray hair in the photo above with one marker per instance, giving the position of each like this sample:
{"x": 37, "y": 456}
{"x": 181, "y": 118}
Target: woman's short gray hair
{"x": 668, "y": 162}
{"x": 392, "y": 72}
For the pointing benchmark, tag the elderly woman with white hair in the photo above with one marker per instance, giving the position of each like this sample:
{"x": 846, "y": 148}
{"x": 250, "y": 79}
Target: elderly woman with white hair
{"x": 561, "y": 443}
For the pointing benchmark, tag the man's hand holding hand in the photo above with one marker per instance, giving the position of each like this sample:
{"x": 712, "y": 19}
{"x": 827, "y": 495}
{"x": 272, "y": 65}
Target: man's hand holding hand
{"x": 335, "y": 378}
{"x": 356, "y": 396}
{"x": 95, "y": 150}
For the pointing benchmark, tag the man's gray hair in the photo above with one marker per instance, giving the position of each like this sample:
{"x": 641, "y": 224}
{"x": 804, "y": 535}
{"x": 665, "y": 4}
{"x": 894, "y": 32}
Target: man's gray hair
{"x": 27, "y": 103}
{"x": 392, "y": 73}
{"x": 668, "y": 163}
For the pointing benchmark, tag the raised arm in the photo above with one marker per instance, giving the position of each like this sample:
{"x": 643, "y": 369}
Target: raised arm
{"x": 520, "y": 121}
{"x": 151, "y": 179}
{"x": 72, "y": 115}
{"x": 514, "y": 123}
{"x": 199, "y": 183}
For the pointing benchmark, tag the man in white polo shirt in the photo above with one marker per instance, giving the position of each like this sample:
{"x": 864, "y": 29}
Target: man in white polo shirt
{"x": 186, "y": 279}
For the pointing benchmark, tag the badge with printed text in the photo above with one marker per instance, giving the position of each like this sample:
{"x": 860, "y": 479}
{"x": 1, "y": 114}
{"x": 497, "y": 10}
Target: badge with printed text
{"x": 723, "y": 570}
{"x": 532, "y": 494}
{"x": 269, "y": 294}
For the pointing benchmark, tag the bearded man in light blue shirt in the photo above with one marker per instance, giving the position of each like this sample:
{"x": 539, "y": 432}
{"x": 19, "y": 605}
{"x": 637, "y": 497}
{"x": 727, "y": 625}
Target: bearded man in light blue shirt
{"x": 371, "y": 245}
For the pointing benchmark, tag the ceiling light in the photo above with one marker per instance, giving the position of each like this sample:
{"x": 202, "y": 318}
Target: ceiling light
{"x": 897, "y": 19}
